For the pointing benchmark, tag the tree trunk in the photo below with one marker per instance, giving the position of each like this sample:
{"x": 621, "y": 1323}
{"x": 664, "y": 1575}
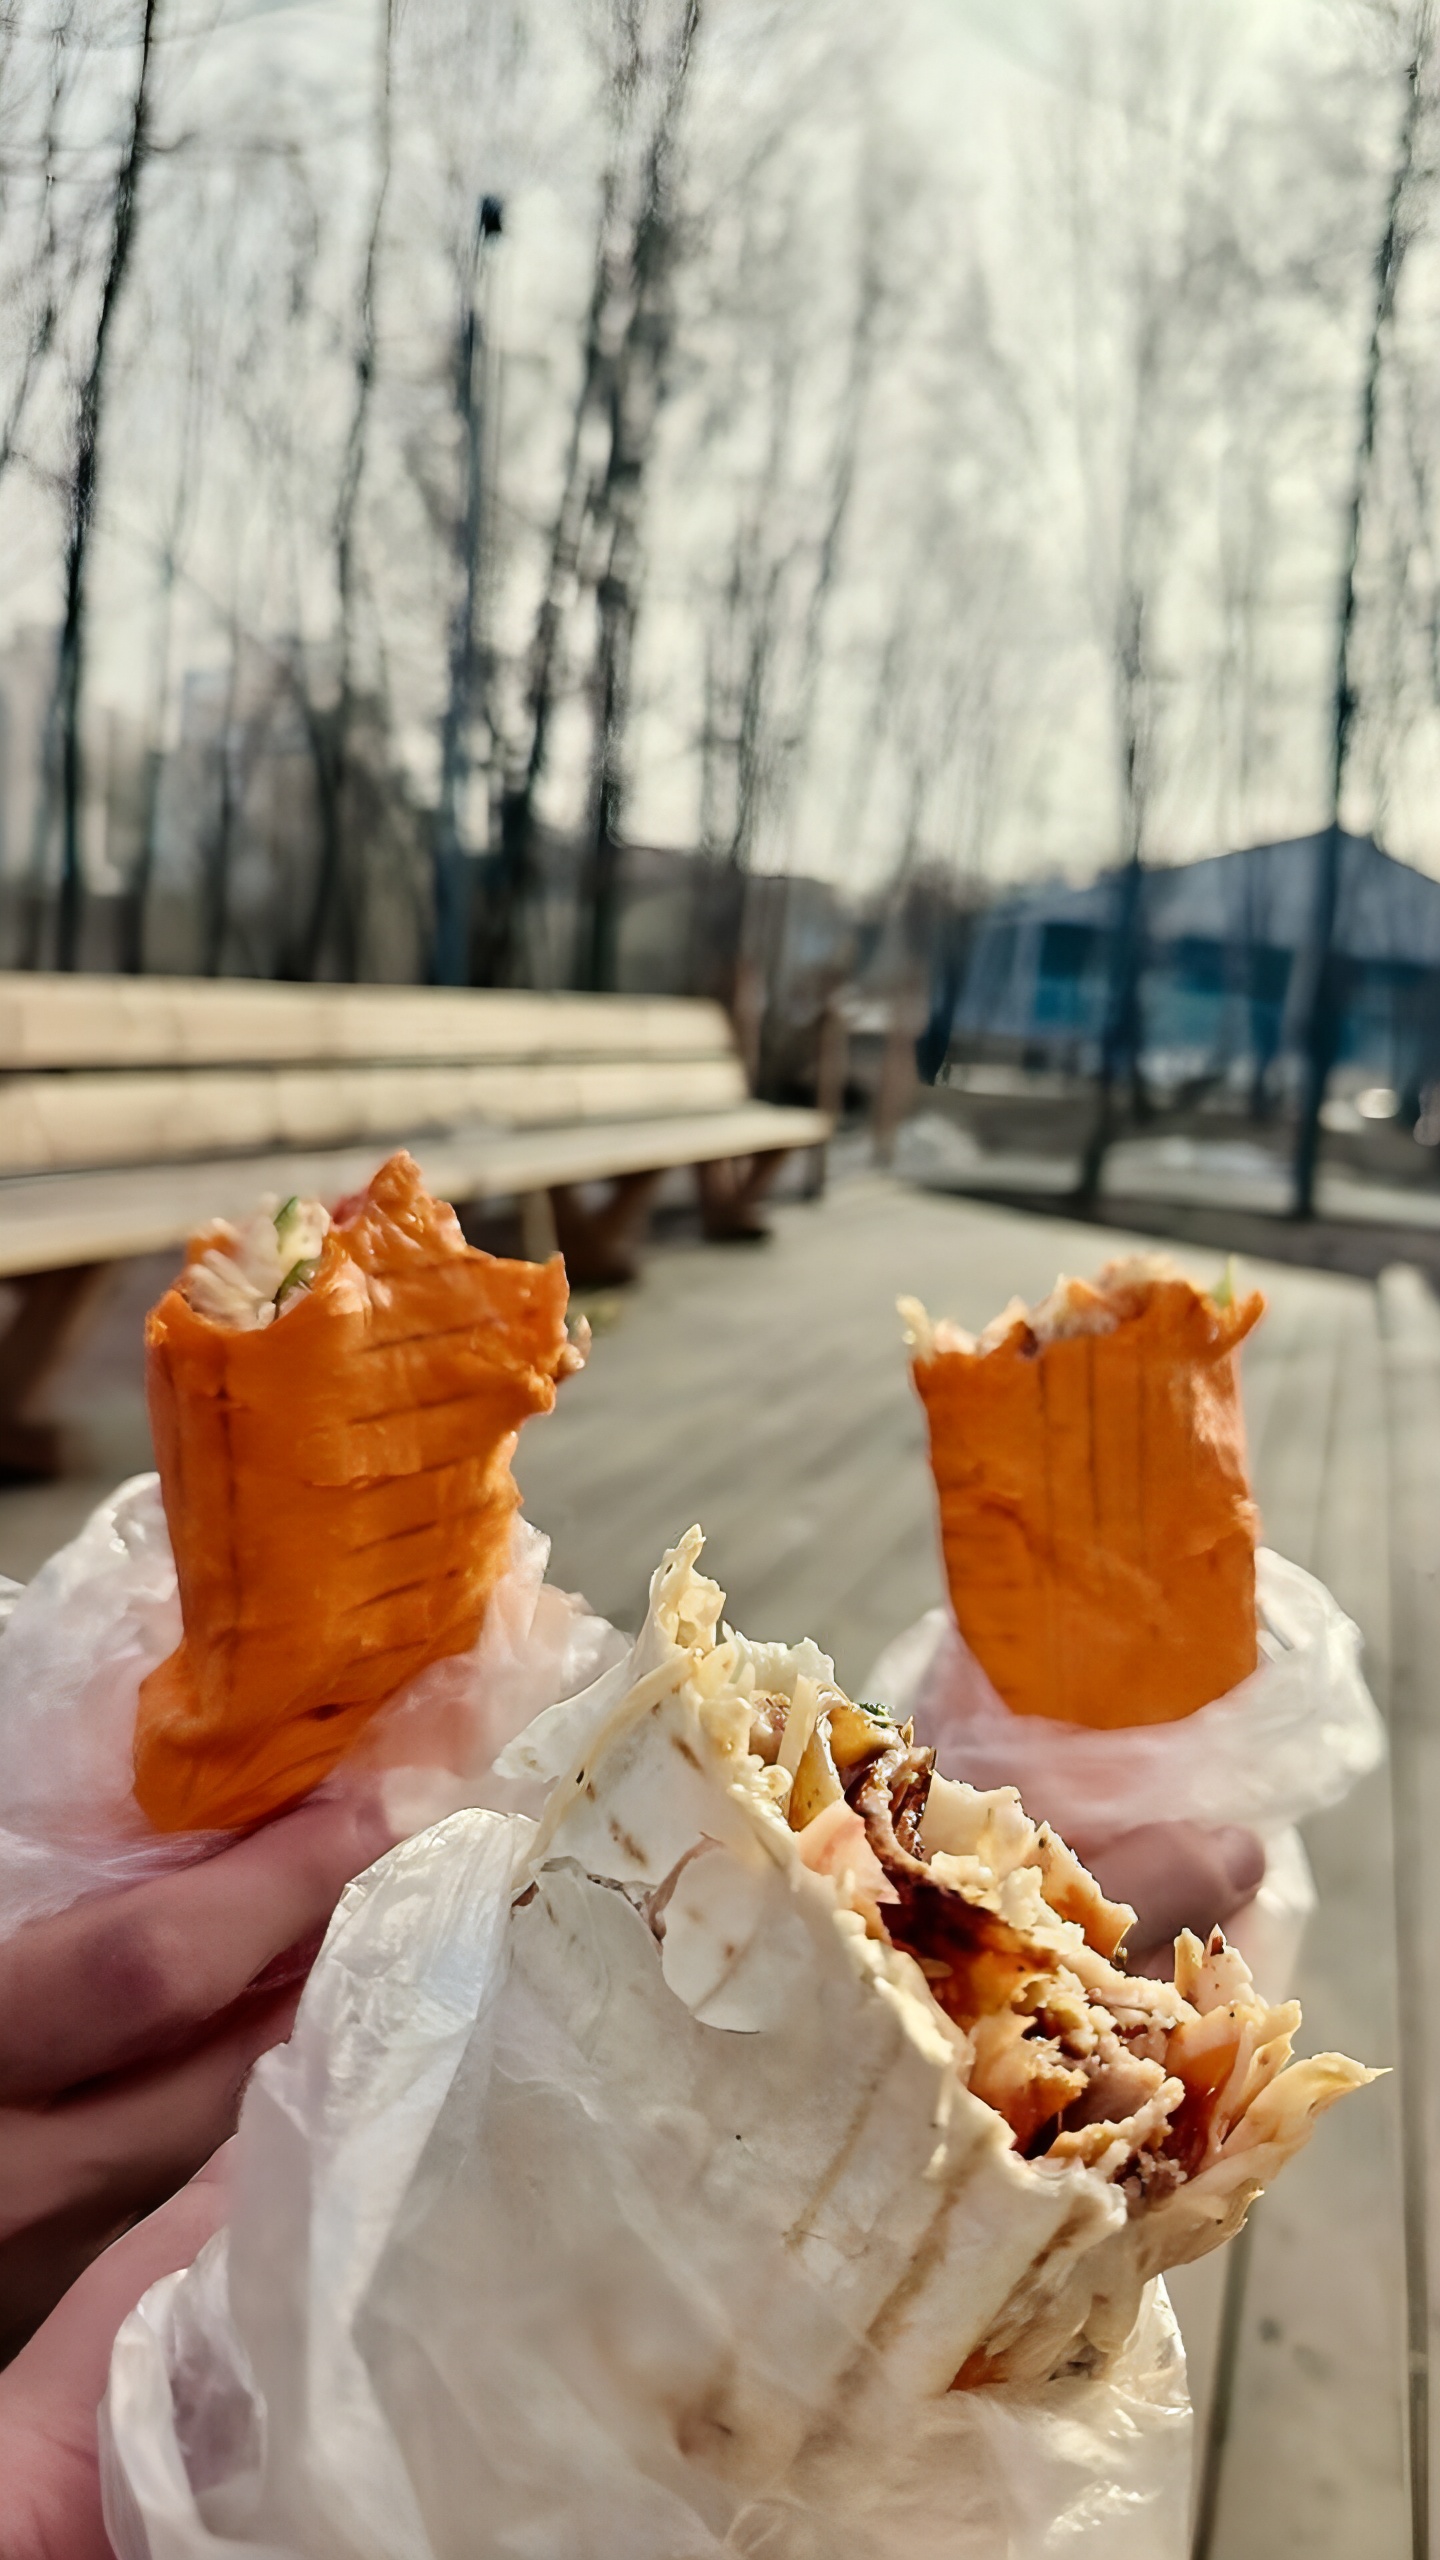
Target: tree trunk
{"x": 598, "y": 947}
{"x": 1119, "y": 1060}
{"x": 220, "y": 849}
{"x": 1120, "y": 1032}
{"x": 329, "y": 732}
{"x": 137, "y": 893}
{"x": 503, "y": 924}
{"x": 135, "y": 903}
{"x": 70, "y": 669}
{"x": 450, "y": 953}
{"x": 1325, "y": 1006}
{"x": 636, "y": 390}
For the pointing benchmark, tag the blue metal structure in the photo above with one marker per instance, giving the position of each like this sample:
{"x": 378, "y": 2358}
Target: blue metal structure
{"x": 1226, "y": 963}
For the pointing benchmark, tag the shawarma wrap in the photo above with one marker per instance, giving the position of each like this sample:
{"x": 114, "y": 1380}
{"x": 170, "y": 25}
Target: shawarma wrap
{"x": 763, "y": 2152}
{"x": 1000, "y": 2134}
{"x": 1095, "y": 1513}
{"x": 335, "y": 1403}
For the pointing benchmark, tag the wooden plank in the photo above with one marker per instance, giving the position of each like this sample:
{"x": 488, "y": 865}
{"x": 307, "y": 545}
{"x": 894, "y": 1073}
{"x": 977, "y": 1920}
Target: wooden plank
{"x": 1262, "y": 1365}
{"x": 49, "y": 1123}
{"x": 720, "y": 1395}
{"x": 1308, "y": 2450}
{"x": 49, "y": 1220}
{"x": 59, "y": 1021}
{"x": 1411, "y": 1330}
{"x": 802, "y": 1349}
{"x": 1289, "y": 1394}
{"x": 765, "y": 1393}
{"x": 767, "y": 1397}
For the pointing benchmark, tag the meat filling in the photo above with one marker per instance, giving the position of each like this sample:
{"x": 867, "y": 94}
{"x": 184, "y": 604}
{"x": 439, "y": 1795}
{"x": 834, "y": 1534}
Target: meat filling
{"x": 1137, "y": 2078}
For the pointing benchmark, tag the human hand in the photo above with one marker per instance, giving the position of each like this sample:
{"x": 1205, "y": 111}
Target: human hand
{"x": 49, "y": 2454}
{"x": 1177, "y": 1875}
{"x": 128, "y": 2025}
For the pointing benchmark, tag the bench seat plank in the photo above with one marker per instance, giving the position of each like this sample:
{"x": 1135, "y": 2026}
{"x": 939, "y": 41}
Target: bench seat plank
{"x": 61, "y": 1021}
{"x": 50, "y": 1122}
{"x": 49, "y": 1220}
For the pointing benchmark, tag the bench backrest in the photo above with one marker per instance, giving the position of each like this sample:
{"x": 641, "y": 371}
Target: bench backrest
{"x": 105, "y": 1071}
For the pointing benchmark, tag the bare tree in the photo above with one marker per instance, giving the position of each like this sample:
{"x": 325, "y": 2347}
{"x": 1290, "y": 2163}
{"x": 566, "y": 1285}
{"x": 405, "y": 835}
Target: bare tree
{"x": 217, "y": 848}
{"x": 526, "y": 764}
{"x": 176, "y": 526}
{"x": 42, "y": 272}
{"x": 877, "y": 238}
{"x": 451, "y": 953}
{"x": 1255, "y": 396}
{"x": 746, "y": 608}
{"x": 1324, "y": 1006}
{"x": 1141, "y": 138}
{"x": 70, "y": 670}
{"x": 768, "y": 613}
{"x": 1323, "y": 1011}
{"x": 328, "y": 725}
{"x": 636, "y": 386}
{"x": 937, "y": 742}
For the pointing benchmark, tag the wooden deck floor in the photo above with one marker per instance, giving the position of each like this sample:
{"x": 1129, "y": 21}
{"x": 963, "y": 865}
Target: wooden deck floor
{"x": 763, "y": 1393}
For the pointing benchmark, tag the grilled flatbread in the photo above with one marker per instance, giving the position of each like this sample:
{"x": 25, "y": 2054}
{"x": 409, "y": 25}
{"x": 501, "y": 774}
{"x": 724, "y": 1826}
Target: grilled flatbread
{"x": 1095, "y": 1515}
{"x": 940, "y": 2089}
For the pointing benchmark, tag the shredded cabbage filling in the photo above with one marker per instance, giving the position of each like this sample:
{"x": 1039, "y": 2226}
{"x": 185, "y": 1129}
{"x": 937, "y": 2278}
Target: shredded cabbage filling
{"x": 246, "y": 1276}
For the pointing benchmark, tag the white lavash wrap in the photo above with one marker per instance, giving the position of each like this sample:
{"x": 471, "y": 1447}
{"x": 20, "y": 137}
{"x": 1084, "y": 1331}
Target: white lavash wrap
{"x": 76, "y": 1643}
{"x": 1292, "y": 1739}
{"x": 550, "y": 2239}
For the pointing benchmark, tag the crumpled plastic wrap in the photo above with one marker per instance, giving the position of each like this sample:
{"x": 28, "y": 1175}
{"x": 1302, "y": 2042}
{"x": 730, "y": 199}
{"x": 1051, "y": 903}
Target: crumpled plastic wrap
{"x": 474, "y": 2303}
{"x": 1293, "y": 1738}
{"x": 76, "y": 1643}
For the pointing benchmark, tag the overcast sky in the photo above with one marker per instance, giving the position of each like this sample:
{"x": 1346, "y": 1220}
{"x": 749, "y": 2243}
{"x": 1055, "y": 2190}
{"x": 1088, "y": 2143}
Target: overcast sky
{"x": 1062, "y": 202}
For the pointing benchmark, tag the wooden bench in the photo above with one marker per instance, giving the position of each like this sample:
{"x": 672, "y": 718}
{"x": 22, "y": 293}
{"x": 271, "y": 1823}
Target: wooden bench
{"x": 131, "y": 1110}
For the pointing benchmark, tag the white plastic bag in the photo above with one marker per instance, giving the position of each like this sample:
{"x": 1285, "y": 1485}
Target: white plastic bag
{"x": 78, "y": 1640}
{"x": 1294, "y": 1737}
{"x": 369, "y": 2364}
